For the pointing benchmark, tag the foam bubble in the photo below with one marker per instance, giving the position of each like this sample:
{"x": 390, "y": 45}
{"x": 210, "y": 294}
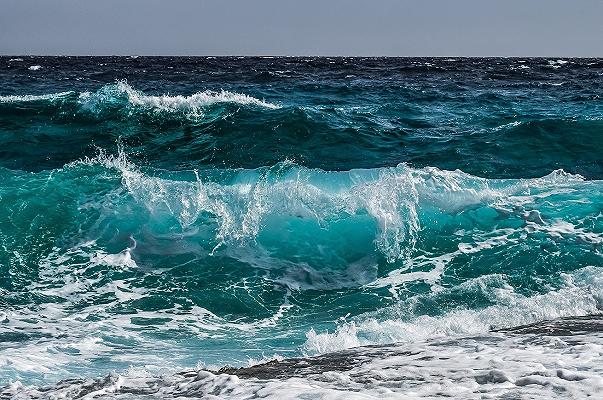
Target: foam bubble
{"x": 582, "y": 295}
{"x": 499, "y": 365}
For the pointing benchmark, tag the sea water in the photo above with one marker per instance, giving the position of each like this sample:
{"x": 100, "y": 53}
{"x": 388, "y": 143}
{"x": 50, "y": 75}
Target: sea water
{"x": 166, "y": 220}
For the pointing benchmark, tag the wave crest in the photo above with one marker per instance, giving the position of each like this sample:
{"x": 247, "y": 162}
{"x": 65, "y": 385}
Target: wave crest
{"x": 192, "y": 105}
{"x": 121, "y": 98}
{"x": 390, "y": 205}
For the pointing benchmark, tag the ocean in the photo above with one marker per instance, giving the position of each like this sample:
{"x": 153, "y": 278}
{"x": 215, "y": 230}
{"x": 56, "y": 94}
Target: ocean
{"x": 301, "y": 227}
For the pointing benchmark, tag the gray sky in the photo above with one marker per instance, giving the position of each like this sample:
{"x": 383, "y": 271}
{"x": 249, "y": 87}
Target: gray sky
{"x": 308, "y": 27}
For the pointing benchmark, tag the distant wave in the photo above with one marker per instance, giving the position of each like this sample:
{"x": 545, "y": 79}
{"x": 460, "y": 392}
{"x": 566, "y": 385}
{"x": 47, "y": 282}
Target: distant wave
{"x": 190, "y": 104}
{"x": 27, "y": 98}
{"x": 126, "y": 100}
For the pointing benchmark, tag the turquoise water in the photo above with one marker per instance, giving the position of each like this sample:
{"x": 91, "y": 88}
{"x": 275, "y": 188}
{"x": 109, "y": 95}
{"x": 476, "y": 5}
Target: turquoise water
{"x": 167, "y": 213}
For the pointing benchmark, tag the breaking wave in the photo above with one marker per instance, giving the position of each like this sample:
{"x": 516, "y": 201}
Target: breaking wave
{"x": 581, "y": 294}
{"x": 126, "y": 100}
{"x": 401, "y": 254}
{"x": 395, "y": 203}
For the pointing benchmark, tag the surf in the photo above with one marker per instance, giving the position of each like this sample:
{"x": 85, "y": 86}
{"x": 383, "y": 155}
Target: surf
{"x": 162, "y": 228}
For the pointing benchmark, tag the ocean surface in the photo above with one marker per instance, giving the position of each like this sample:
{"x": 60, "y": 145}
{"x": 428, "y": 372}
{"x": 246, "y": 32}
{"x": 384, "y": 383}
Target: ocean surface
{"x": 335, "y": 227}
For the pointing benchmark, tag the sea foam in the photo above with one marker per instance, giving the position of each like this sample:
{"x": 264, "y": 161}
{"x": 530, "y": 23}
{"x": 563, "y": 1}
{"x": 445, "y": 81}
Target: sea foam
{"x": 125, "y": 100}
{"x": 192, "y": 105}
{"x": 581, "y": 295}
{"x": 34, "y": 98}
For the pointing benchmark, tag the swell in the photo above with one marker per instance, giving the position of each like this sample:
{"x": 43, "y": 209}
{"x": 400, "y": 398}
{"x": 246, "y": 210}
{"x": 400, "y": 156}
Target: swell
{"x": 222, "y": 128}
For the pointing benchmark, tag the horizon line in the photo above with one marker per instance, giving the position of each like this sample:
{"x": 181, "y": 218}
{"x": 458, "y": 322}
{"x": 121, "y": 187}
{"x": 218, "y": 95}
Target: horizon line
{"x": 288, "y": 56}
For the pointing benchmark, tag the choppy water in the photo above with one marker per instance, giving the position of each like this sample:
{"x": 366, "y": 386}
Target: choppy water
{"x": 163, "y": 214}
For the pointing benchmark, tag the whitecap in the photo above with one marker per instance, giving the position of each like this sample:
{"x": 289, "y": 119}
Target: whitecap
{"x": 33, "y": 98}
{"x": 192, "y": 105}
{"x": 582, "y": 295}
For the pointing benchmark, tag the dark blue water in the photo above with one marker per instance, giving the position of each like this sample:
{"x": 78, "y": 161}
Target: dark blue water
{"x": 163, "y": 213}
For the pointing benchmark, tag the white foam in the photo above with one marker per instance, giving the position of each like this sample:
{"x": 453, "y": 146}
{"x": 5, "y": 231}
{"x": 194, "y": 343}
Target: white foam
{"x": 35, "y": 67}
{"x": 557, "y": 63}
{"x": 32, "y": 98}
{"x": 192, "y": 105}
{"x": 493, "y": 365}
{"x": 61, "y": 340}
{"x": 391, "y": 197}
{"x": 521, "y": 66}
{"x": 582, "y": 296}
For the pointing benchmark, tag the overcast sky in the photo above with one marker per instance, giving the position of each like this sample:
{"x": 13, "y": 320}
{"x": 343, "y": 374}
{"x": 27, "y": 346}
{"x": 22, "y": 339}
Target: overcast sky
{"x": 308, "y": 27}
